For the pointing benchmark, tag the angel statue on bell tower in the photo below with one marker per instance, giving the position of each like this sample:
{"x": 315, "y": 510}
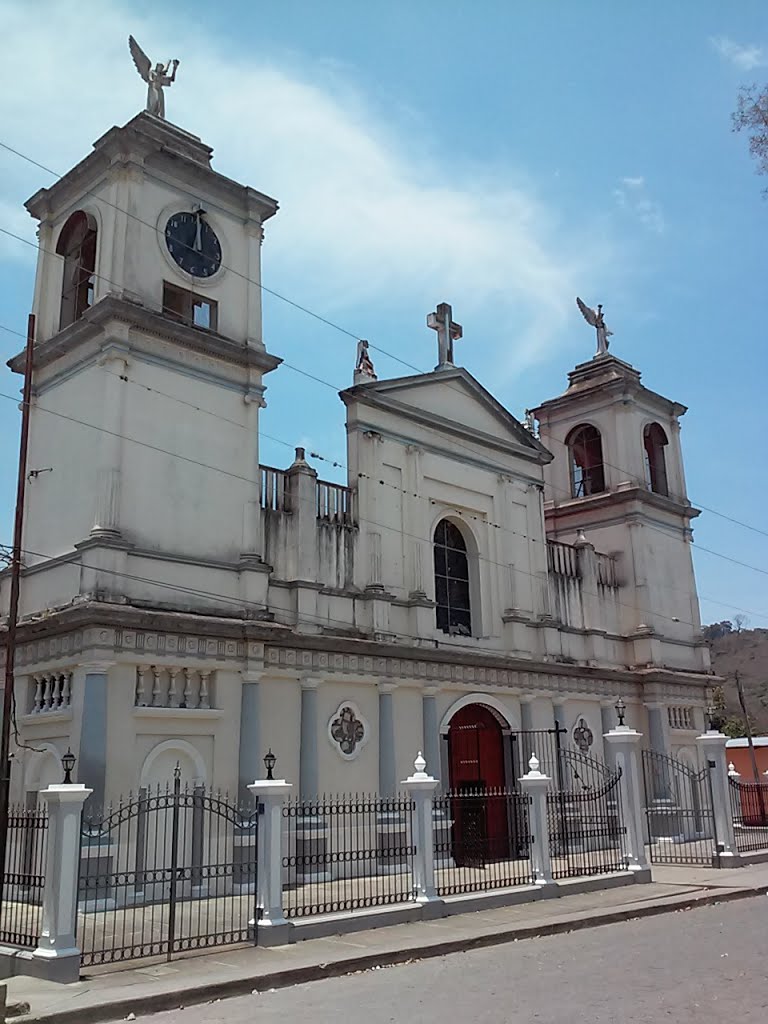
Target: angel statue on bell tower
{"x": 594, "y": 318}
{"x": 156, "y": 78}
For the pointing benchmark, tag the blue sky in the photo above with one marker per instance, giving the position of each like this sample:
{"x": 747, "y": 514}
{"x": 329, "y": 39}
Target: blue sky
{"x": 503, "y": 156}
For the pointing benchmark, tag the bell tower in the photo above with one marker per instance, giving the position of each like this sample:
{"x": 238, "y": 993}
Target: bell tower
{"x": 148, "y": 367}
{"x": 617, "y": 475}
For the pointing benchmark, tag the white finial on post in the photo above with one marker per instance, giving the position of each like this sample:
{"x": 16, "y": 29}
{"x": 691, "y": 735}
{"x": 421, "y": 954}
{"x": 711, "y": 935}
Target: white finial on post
{"x": 420, "y": 764}
{"x": 732, "y": 773}
{"x": 533, "y": 765}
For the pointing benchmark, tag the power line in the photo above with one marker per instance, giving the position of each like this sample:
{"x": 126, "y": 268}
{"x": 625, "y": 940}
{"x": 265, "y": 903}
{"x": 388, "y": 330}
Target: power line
{"x": 283, "y": 298}
{"x": 371, "y": 522}
{"x": 309, "y": 312}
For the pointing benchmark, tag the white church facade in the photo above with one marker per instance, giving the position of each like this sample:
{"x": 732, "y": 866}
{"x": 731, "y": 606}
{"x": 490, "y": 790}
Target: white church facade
{"x": 476, "y": 580}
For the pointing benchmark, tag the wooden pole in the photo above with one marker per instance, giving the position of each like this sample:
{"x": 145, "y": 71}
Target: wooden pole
{"x": 747, "y": 726}
{"x": 13, "y": 606}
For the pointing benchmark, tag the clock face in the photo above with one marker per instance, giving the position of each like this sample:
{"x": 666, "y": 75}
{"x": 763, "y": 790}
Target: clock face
{"x": 193, "y": 244}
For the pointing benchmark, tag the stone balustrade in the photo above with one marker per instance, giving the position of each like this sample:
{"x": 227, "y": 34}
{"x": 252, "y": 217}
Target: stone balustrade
{"x": 51, "y": 691}
{"x": 174, "y": 687}
{"x": 680, "y": 717}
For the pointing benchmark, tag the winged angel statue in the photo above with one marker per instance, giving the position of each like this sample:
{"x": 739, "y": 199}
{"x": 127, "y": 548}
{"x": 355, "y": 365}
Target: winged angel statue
{"x": 156, "y": 78}
{"x": 594, "y": 318}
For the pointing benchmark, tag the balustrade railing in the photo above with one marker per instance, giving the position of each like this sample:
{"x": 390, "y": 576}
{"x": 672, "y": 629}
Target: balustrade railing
{"x": 273, "y": 488}
{"x": 606, "y": 570}
{"x": 335, "y": 503}
{"x": 52, "y": 691}
{"x": 680, "y": 717}
{"x": 173, "y": 687}
{"x": 562, "y": 559}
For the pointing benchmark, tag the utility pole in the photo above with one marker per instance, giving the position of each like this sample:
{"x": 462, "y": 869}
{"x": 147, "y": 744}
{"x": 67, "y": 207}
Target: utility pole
{"x": 747, "y": 726}
{"x": 13, "y": 607}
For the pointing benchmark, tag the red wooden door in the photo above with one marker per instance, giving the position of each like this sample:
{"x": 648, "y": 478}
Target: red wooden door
{"x": 477, "y": 779}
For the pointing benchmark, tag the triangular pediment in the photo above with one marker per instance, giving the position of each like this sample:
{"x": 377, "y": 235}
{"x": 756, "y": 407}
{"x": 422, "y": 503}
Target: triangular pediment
{"x": 453, "y": 402}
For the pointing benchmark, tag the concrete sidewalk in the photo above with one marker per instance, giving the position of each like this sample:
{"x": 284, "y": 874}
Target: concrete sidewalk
{"x": 148, "y": 988}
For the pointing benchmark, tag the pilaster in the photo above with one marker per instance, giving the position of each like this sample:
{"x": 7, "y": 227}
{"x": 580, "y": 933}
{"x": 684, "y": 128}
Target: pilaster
{"x": 387, "y": 774}
{"x": 92, "y": 766}
{"x": 308, "y": 755}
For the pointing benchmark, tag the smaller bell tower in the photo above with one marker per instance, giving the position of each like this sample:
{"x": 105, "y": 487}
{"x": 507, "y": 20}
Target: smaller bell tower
{"x": 617, "y": 475}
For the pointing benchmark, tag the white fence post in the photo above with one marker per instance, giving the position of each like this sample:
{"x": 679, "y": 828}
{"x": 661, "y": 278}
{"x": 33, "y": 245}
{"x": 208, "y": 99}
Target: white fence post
{"x": 421, "y": 788}
{"x": 57, "y": 957}
{"x": 625, "y": 745}
{"x": 270, "y": 795}
{"x": 711, "y": 744}
{"x": 535, "y": 785}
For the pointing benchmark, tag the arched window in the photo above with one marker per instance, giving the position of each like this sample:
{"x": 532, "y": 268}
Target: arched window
{"x": 77, "y": 244}
{"x": 654, "y": 442}
{"x": 585, "y": 449}
{"x": 454, "y": 615}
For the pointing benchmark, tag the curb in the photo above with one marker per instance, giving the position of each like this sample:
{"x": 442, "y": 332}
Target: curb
{"x": 157, "y": 1002}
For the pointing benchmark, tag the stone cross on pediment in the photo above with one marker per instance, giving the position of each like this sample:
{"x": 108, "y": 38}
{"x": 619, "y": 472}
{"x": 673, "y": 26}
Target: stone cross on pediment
{"x": 447, "y": 332}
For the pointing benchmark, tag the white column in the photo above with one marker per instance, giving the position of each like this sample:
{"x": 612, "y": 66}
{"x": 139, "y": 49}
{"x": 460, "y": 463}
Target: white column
{"x": 57, "y": 957}
{"x": 711, "y": 746}
{"x": 623, "y": 744}
{"x": 535, "y": 785}
{"x": 273, "y": 927}
{"x": 422, "y": 788}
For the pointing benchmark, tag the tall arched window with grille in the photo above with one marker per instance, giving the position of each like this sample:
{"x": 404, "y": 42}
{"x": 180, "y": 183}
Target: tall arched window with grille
{"x": 654, "y": 442}
{"x": 77, "y": 246}
{"x": 585, "y": 450}
{"x": 452, "y": 591}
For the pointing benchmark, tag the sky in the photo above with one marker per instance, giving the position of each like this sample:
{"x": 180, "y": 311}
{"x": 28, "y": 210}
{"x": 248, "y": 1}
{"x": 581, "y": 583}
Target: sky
{"x": 503, "y": 156}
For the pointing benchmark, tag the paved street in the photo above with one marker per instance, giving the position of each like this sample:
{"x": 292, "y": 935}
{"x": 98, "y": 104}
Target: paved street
{"x": 705, "y": 965}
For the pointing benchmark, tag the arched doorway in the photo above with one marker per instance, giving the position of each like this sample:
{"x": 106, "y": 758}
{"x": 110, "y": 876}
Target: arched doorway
{"x": 481, "y": 826}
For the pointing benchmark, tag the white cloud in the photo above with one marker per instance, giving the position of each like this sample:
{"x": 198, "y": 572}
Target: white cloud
{"x": 370, "y": 213}
{"x": 743, "y": 57}
{"x": 632, "y": 197}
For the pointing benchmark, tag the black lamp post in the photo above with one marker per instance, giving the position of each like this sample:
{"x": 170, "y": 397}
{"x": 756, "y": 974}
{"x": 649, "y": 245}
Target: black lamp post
{"x": 621, "y": 709}
{"x": 269, "y": 763}
{"x": 68, "y": 763}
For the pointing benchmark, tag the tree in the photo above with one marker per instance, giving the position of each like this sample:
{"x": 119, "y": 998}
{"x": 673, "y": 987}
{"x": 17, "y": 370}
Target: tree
{"x": 751, "y": 115}
{"x": 717, "y": 629}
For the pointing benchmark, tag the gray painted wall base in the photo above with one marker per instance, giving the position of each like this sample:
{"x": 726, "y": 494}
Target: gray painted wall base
{"x": 64, "y": 969}
{"x": 406, "y": 913}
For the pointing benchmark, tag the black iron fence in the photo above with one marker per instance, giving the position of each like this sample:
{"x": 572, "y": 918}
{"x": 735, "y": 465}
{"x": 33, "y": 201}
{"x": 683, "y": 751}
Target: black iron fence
{"x": 585, "y": 820}
{"x": 166, "y": 871}
{"x": 347, "y": 853}
{"x": 749, "y": 806}
{"x": 20, "y": 917}
{"x": 481, "y": 840}
{"x": 546, "y": 744}
{"x": 679, "y": 812}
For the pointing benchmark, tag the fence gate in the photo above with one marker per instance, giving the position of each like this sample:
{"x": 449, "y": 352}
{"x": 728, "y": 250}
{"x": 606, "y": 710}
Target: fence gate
{"x": 678, "y": 811}
{"x": 166, "y": 871}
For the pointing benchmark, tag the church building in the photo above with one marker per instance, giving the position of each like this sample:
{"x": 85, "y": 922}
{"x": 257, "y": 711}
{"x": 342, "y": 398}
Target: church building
{"x": 477, "y": 585}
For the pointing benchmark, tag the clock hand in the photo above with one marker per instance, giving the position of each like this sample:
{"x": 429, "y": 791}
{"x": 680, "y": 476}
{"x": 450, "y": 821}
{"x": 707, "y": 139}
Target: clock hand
{"x": 198, "y": 239}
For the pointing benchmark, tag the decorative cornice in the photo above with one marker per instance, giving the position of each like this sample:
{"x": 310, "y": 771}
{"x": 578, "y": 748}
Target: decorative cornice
{"x": 113, "y": 314}
{"x": 118, "y": 632}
